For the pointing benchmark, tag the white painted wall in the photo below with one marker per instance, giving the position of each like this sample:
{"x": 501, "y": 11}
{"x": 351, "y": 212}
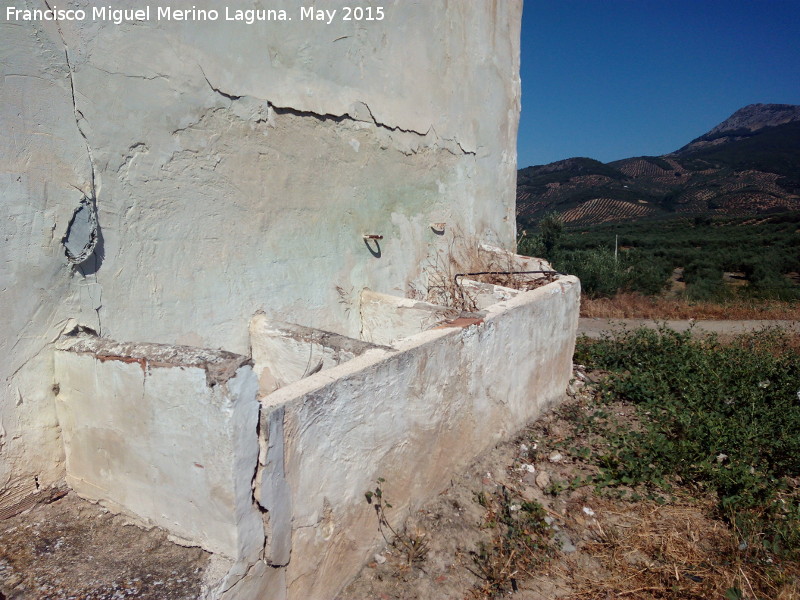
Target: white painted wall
{"x": 235, "y": 168}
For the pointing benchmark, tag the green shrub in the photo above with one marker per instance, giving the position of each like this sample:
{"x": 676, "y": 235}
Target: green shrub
{"x": 599, "y": 273}
{"x": 765, "y": 251}
{"x": 726, "y": 417}
{"x": 602, "y": 274}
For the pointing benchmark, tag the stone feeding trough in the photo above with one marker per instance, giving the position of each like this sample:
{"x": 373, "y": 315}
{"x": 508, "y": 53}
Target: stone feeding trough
{"x": 285, "y": 352}
{"x": 263, "y": 460}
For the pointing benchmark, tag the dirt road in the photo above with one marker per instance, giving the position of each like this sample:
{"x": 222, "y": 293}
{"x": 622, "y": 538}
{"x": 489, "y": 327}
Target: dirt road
{"x": 593, "y": 327}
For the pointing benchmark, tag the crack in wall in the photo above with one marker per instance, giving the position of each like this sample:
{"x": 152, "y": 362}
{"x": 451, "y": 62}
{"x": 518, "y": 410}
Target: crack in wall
{"x": 275, "y": 496}
{"x": 217, "y": 90}
{"x": 78, "y": 114}
{"x": 255, "y": 485}
{"x": 347, "y": 116}
{"x": 130, "y": 76}
{"x": 322, "y": 117}
{"x": 206, "y": 114}
{"x": 92, "y": 197}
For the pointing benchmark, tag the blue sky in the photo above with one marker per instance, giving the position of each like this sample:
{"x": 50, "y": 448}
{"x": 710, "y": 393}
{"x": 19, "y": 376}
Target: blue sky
{"x": 609, "y": 79}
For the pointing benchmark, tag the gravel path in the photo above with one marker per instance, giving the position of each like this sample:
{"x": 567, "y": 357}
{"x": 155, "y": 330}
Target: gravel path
{"x": 593, "y": 327}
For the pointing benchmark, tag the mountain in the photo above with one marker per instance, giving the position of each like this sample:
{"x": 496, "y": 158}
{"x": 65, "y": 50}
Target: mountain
{"x": 748, "y": 164}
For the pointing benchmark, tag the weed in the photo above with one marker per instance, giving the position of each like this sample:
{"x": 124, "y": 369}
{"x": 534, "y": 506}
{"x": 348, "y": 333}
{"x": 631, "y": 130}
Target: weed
{"x": 481, "y": 498}
{"x": 484, "y": 264}
{"x": 521, "y": 542}
{"x": 556, "y": 487}
{"x": 413, "y": 545}
{"x": 734, "y": 593}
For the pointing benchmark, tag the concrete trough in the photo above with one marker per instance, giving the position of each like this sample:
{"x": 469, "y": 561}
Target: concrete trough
{"x": 273, "y": 481}
{"x": 164, "y": 433}
{"x": 286, "y": 352}
{"x": 412, "y": 415}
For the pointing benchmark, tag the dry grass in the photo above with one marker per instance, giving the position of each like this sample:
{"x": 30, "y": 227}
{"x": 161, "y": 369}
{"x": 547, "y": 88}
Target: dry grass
{"x": 467, "y": 256}
{"x": 637, "y": 306}
{"x": 441, "y": 270}
{"x": 646, "y": 551}
{"x": 520, "y": 543}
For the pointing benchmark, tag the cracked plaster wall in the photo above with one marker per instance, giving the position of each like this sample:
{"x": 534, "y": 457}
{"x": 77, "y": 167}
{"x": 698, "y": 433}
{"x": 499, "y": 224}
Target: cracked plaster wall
{"x": 235, "y": 169}
{"x": 413, "y": 415}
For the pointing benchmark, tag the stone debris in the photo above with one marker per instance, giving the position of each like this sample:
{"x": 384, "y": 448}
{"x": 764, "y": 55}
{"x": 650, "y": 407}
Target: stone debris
{"x": 542, "y": 479}
{"x": 565, "y": 542}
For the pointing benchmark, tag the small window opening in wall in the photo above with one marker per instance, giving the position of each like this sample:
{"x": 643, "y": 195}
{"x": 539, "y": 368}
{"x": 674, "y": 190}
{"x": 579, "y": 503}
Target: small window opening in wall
{"x": 81, "y": 237}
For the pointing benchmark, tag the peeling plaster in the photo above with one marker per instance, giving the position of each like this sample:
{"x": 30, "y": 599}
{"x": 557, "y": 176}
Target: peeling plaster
{"x": 275, "y": 493}
{"x": 218, "y": 365}
{"x": 359, "y": 113}
{"x": 81, "y": 236}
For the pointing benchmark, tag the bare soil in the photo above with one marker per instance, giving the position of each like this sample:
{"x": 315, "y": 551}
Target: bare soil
{"x": 72, "y": 549}
{"x": 595, "y": 327}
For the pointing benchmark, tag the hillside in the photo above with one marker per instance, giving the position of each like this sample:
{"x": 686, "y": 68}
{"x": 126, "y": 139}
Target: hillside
{"x": 748, "y": 164}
